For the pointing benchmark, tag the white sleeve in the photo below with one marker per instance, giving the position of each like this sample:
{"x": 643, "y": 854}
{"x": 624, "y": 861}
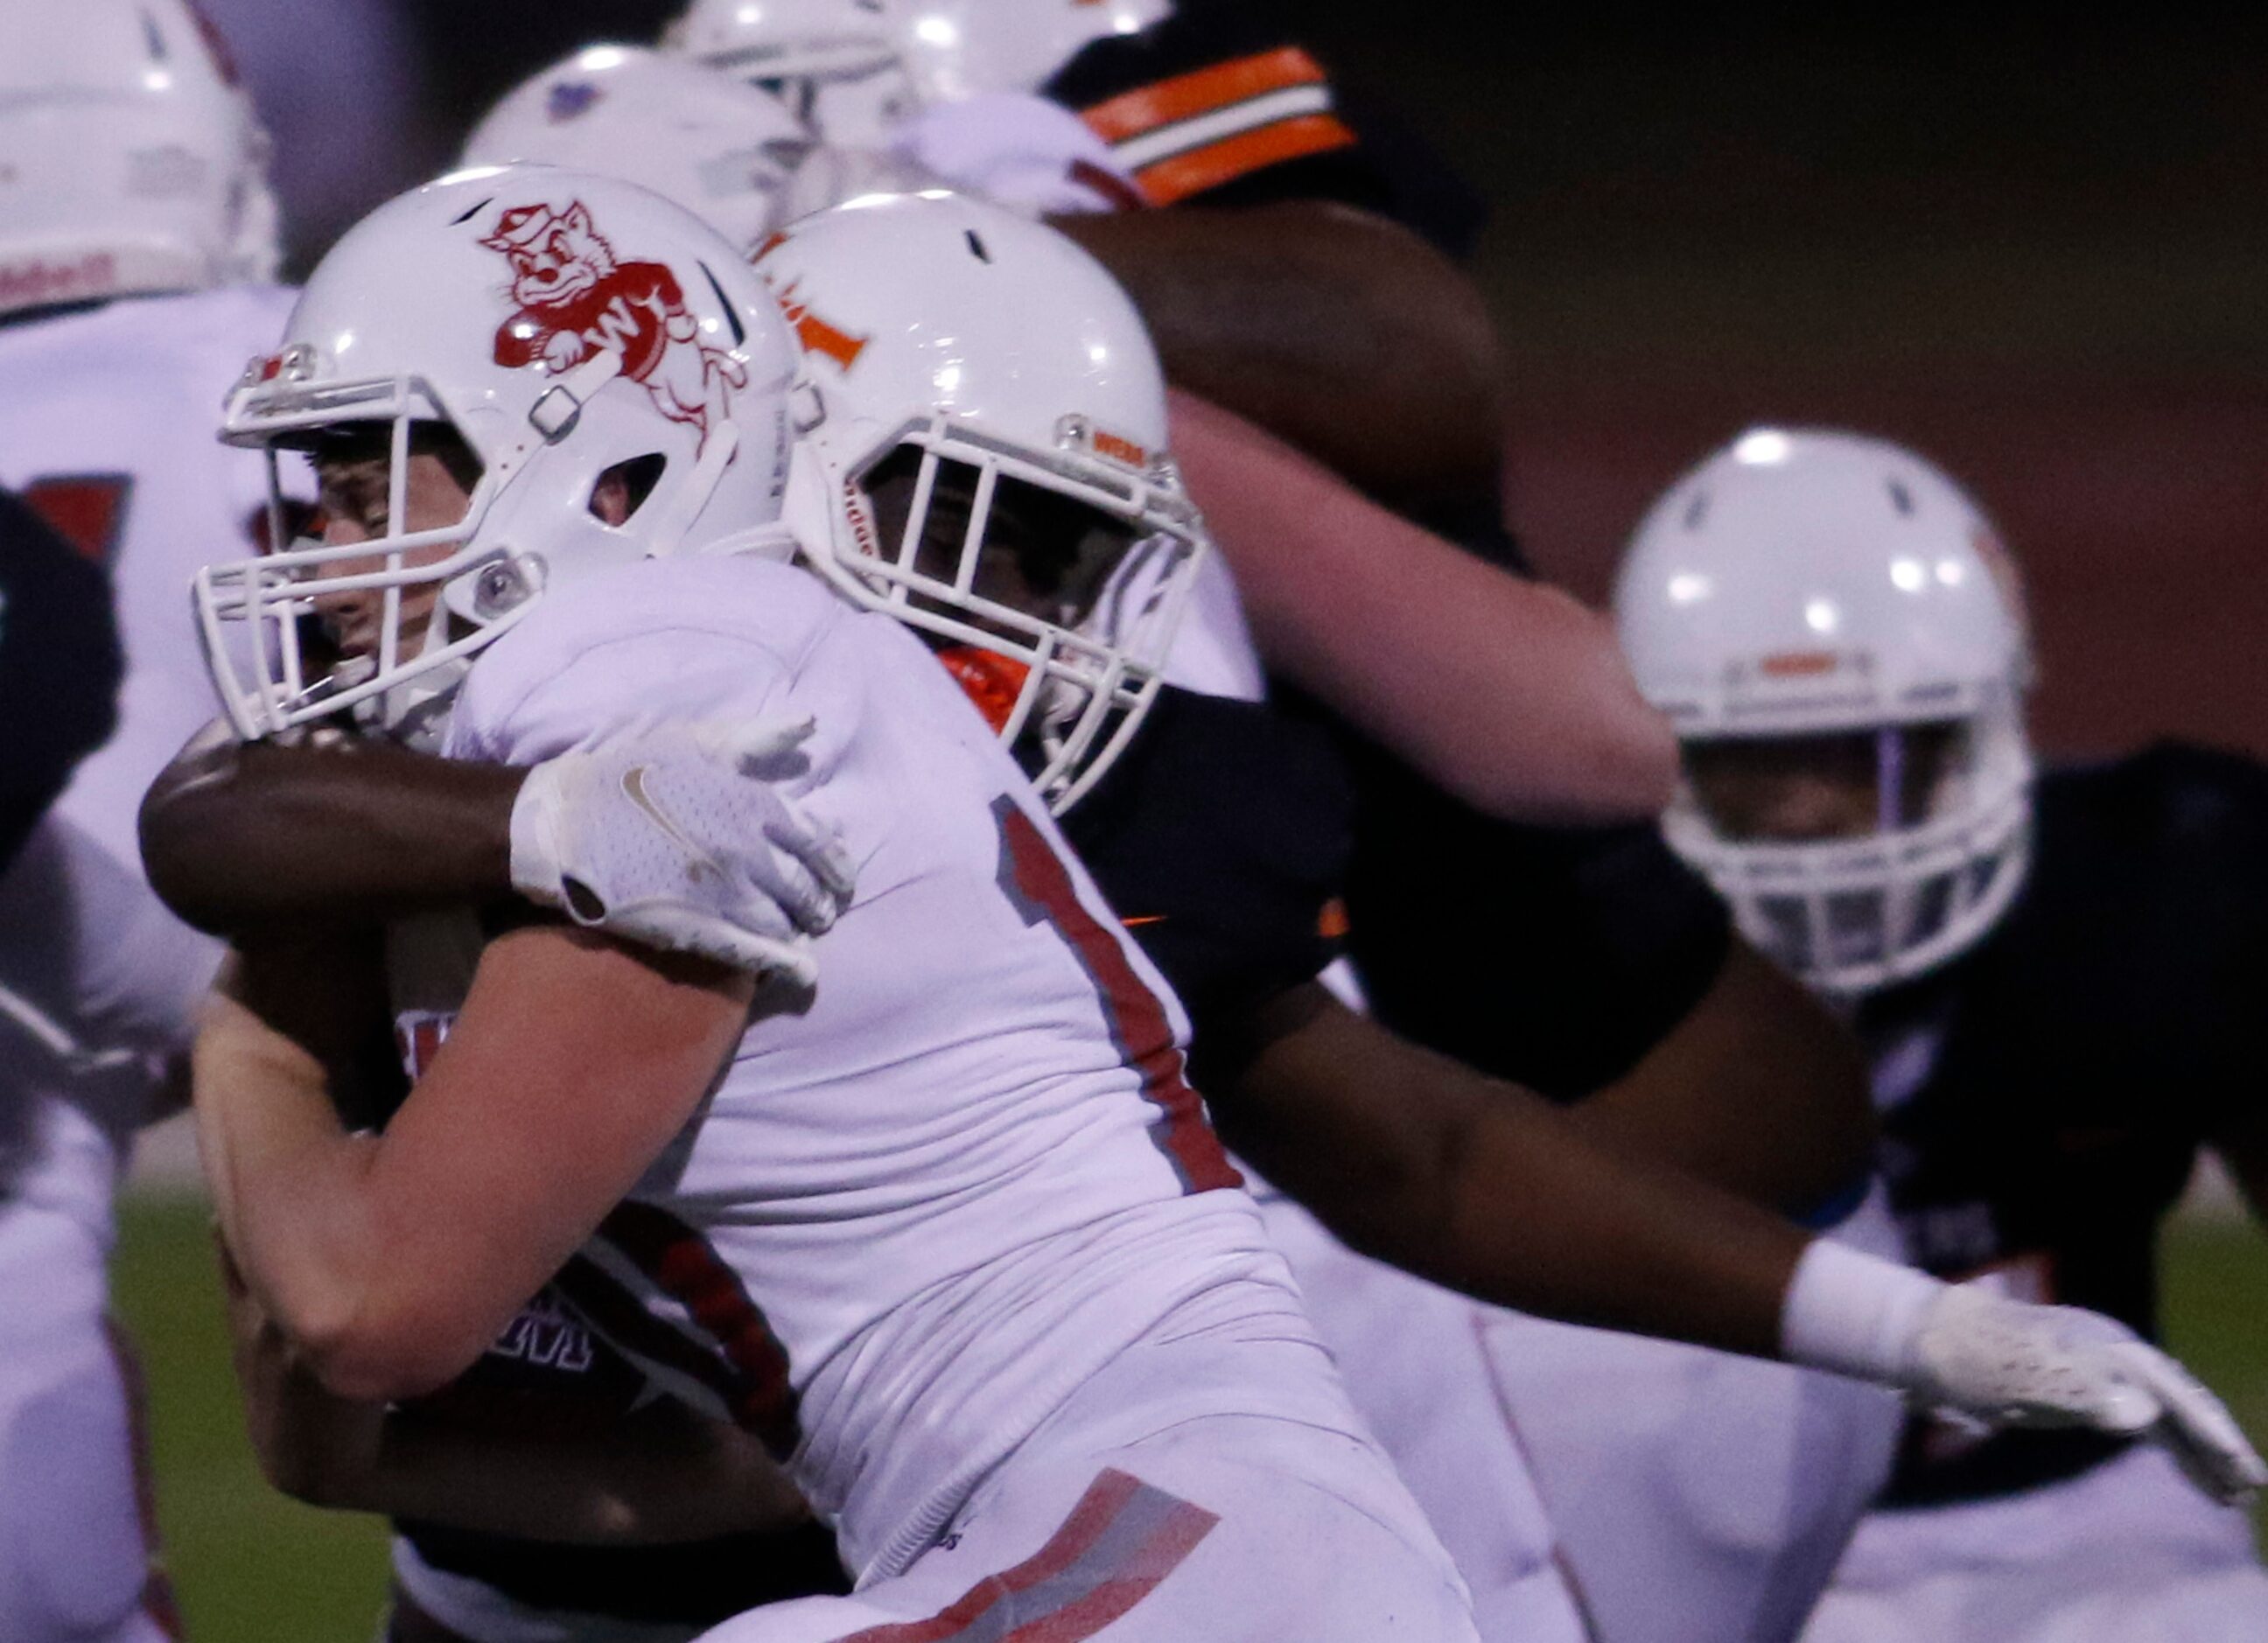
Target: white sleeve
{"x": 526, "y": 702}
{"x": 1019, "y": 150}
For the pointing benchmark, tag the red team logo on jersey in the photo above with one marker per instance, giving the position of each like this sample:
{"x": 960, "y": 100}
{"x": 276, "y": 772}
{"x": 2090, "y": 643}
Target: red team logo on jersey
{"x": 577, "y": 300}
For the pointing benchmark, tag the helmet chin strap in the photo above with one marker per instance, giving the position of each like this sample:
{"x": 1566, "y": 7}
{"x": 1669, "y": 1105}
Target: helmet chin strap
{"x": 414, "y": 712}
{"x": 688, "y": 501}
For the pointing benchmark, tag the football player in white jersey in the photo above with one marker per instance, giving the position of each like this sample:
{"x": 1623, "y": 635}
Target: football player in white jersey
{"x": 947, "y": 1231}
{"x": 2056, "y": 974}
{"x": 1838, "y": 1314}
{"x": 135, "y": 231}
{"x": 133, "y": 210}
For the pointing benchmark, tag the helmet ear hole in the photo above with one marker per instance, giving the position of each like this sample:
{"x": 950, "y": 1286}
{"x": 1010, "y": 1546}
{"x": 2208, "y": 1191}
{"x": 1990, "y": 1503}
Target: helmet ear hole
{"x": 618, "y": 494}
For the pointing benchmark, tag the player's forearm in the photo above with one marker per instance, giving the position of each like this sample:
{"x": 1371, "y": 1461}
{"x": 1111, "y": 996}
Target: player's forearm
{"x": 1481, "y": 1186}
{"x": 289, "y": 1183}
{"x": 1759, "y": 1090}
{"x": 1507, "y": 692}
{"x": 344, "y": 1257}
{"x": 236, "y": 837}
{"x": 1339, "y": 331}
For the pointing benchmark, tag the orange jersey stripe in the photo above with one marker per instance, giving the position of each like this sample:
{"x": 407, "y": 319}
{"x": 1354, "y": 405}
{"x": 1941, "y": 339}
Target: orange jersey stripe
{"x": 1186, "y": 96}
{"x": 1182, "y": 175}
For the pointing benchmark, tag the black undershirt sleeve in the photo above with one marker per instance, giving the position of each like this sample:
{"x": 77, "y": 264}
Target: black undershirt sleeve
{"x": 1556, "y": 957}
{"x": 1221, "y": 838}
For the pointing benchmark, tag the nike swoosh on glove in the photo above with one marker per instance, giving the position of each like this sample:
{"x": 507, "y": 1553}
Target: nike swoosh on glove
{"x": 681, "y": 836}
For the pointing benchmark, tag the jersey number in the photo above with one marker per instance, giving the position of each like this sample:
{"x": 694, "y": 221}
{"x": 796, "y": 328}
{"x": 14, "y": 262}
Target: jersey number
{"x": 88, "y": 511}
{"x": 1038, "y": 885}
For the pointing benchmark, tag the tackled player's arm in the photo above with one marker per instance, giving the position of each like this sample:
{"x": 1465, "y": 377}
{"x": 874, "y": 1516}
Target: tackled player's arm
{"x": 1506, "y": 693}
{"x": 1341, "y": 332}
{"x": 1474, "y": 1183}
{"x": 1481, "y": 1185}
{"x": 391, "y": 1261}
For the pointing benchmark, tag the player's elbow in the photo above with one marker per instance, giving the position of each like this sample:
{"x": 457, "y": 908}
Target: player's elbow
{"x": 183, "y": 841}
{"x": 382, "y": 1350}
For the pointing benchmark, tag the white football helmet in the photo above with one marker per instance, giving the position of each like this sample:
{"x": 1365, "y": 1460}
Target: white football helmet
{"x": 567, "y": 327}
{"x": 1824, "y": 585}
{"x": 855, "y": 67}
{"x": 130, "y": 160}
{"x": 721, "y": 148}
{"x": 957, "y": 357}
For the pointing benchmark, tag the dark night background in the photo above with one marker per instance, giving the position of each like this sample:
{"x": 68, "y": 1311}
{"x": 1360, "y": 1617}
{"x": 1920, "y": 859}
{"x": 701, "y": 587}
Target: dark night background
{"x": 2032, "y": 246}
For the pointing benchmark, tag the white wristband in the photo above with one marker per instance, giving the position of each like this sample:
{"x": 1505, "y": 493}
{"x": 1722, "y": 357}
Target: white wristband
{"x": 535, "y": 859}
{"x": 1853, "y": 1313}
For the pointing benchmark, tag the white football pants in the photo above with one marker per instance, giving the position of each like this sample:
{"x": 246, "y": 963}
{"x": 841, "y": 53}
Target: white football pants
{"x": 1122, "y": 1520}
{"x": 1683, "y": 1494}
{"x": 2125, "y": 1552}
{"x": 77, "y": 1544}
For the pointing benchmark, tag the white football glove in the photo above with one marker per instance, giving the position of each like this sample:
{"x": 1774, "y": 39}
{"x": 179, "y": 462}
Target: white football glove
{"x": 2012, "y": 1363}
{"x": 678, "y": 836}
{"x": 2009, "y": 1363}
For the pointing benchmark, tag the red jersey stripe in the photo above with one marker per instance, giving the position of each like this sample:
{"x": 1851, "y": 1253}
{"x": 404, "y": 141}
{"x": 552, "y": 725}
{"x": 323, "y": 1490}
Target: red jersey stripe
{"x": 1034, "y": 877}
{"x": 679, "y": 1263}
{"x": 1120, "y": 1541}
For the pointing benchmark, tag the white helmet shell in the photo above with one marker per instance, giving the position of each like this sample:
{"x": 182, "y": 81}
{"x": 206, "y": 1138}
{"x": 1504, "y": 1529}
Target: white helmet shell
{"x": 960, "y": 330}
{"x": 956, "y": 49}
{"x": 1802, "y": 582}
{"x": 130, "y": 160}
{"x": 564, "y": 324}
{"x": 856, "y": 67}
{"x": 721, "y": 148}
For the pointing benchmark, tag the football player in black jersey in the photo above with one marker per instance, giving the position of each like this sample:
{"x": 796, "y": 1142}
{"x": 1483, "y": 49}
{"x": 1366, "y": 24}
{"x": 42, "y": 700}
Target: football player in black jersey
{"x": 2057, "y": 979}
{"x": 1626, "y": 994}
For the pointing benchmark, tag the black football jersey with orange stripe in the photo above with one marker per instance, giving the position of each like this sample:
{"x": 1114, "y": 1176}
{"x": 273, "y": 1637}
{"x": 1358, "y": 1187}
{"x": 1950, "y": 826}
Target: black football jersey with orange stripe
{"x": 60, "y": 666}
{"x": 1220, "y": 105}
{"x": 2044, "y": 1098}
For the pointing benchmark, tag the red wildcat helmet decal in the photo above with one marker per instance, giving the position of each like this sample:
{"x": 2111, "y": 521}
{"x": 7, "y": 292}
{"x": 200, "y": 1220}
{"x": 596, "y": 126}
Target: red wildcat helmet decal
{"x": 577, "y": 299}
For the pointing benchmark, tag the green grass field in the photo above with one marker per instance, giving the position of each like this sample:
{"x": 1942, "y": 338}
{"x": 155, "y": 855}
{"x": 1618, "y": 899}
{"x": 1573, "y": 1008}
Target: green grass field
{"x": 253, "y": 1567}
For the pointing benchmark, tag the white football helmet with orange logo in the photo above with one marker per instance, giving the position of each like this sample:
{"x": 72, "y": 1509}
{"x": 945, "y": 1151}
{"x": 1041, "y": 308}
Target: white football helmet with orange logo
{"x": 722, "y": 148}
{"x": 1809, "y": 585}
{"x": 854, "y": 69}
{"x": 566, "y": 326}
{"x": 972, "y": 381}
{"x": 130, "y": 160}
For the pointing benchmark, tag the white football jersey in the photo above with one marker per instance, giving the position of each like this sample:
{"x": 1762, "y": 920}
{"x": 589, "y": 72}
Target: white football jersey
{"x": 107, "y": 426}
{"x": 107, "y": 419}
{"x": 930, "y": 1199}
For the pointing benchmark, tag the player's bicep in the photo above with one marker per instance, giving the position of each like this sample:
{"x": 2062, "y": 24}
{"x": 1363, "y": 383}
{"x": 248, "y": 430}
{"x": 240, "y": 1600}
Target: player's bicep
{"x": 572, "y": 1065}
